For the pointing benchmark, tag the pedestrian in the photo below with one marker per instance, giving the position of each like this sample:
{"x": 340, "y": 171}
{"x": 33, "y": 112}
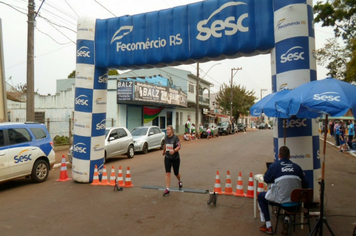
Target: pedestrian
{"x": 284, "y": 176}
{"x": 187, "y": 126}
{"x": 351, "y": 133}
{"x": 337, "y": 133}
{"x": 343, "y": 145}
{"x": 201, "y": 129}
{"x": 332, "y": 128}
{"x": 193, "y": 130}
{"x": 208, "y": 131}
{"x": 171, "y": 158}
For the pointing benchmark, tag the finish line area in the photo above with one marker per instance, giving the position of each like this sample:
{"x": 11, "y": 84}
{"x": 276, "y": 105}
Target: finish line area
{"x": 185, "y": 190}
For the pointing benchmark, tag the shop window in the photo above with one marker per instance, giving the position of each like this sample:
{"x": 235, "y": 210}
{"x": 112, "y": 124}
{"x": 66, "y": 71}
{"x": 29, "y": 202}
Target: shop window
{"x": 155, "y": 121}
{"x": 191, "y": 88}
{"x": 162, "y": 122}
{"x": 169, "y": 118}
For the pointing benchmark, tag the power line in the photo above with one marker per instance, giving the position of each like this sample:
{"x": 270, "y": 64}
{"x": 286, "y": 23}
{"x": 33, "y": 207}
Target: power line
{"x": 50, "y": 22}
{"x": 15, "y": 8}
{"x": 104, "y": 7}
{"x": 53, "y": 38}
{"x": 71, "y": 8}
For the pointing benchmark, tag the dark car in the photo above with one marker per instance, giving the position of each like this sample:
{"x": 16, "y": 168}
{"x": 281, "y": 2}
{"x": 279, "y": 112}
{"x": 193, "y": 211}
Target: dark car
{"x": 224, "y": 128}
{"x": 241, "y": 127}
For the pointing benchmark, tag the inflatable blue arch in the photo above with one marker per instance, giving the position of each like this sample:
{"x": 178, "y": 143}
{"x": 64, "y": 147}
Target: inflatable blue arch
{"x": 199, "y": 32}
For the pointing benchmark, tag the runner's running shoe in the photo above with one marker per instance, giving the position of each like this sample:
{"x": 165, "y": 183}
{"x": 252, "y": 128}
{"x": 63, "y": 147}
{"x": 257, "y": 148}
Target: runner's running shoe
{"x": 180, "y": 183}
{"x": 166, "y": 192}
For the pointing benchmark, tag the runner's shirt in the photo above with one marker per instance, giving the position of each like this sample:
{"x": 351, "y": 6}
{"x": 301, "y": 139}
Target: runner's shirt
{"x": 171, "y": 143}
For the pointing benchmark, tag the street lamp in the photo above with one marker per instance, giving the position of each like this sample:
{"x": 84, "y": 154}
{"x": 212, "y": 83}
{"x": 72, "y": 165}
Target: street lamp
{"x": 197, "y": 97}
{"x": 232, "y": 76}
{"x": 210, "y": 69}
{"x": 262, "y": 91}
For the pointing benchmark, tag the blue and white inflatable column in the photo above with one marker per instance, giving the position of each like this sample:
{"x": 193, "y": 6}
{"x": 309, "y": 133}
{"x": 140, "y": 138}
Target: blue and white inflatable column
{"x": 89, "y": 106}
{"x": 293, "y": 63}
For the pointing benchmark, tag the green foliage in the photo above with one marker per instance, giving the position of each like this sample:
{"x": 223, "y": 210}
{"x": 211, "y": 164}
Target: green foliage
{"x": 71, "y": 75}
{"x": 241, "y": 102}
{"x": 351, "y": 65}
{"x": 60, "y": 140}
{"x": 341, "y": 15}
{"x": 111, "y": 72}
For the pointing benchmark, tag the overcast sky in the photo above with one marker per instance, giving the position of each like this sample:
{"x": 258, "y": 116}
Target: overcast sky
{"x": 55, "y": 37}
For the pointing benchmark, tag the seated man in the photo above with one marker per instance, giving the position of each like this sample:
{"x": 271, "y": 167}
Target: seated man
{"x": 284, "y": 176}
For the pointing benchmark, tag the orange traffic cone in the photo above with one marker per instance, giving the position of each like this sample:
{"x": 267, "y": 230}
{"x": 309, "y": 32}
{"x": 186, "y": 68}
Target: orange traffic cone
{"x": 120, "y": 178}
{"x": 228, "y": 186}
{"x": 95, "y": 177}
{"x": 239, "y": 187}
{"x": 128, "y": 183}
{"x": 104, "y": 178}
{"x": 250, "y": 190}
{"x": 64, "y": 174}
{"x": 260, "y": 187}
{"x": 217, "y": 186}
{"x": 112, "y": 177}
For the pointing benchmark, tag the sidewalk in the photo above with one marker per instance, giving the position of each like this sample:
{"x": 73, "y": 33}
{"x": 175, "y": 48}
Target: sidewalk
{"x": 331, "y": 140}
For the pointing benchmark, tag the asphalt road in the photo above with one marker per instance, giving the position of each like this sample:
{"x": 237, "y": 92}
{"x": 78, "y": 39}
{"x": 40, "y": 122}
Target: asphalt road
{"x": 70, "y": 208}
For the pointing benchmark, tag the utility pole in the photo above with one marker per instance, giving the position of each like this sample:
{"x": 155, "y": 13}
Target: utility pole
{"x": 197, "y": 125}
{"x": 3, "y": 99}
{"x": 30, "y": 106}
{"x": 232, "y": 77}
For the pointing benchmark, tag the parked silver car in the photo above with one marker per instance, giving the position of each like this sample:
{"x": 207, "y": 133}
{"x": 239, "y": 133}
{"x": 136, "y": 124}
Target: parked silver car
{"x": 118, "y": 141}
{"x": 147, "y": 138}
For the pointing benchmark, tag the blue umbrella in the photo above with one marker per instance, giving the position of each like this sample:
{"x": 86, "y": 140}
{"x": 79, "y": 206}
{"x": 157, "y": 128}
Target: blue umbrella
{"x": 330, "y": 97}
{"x": 267, "y": 105}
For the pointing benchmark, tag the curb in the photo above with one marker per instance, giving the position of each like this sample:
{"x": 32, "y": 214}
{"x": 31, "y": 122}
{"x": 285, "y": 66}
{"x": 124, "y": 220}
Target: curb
{"x": 352, "y": 153}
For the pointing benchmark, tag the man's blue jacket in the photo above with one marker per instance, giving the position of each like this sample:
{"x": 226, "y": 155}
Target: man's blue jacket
{"x": 284, "y": 175}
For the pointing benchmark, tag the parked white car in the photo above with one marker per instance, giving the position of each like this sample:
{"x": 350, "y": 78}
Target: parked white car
{"x": 118, "y": 141}
{"x": 26, "y": 149}
{"x": 147, "y": 138}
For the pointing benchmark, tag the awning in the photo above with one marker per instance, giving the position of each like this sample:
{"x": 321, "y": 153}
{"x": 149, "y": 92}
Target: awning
{"x": 210, "y": 115}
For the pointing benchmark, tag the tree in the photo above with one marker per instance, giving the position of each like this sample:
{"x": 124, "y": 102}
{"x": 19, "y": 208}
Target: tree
{"x": 111, "y": 72}
{"x": 241, "y": 102}
{"x": 71, "y": 75}
{"x": 340, "y": 14}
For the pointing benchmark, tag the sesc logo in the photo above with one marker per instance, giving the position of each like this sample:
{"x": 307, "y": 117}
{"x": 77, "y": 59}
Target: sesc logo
{"x": 124, "y": 30}
{"x": 296, "y": 123}
{"x": 103, "y": 79}
{"x": 83, "y": 52}
{"x": 327, "y": 97}
{"x": 82, "y": 100}
{"x": 229, "y": 26}
{"x": 294, "y": 54}
{"x": 80, "y": 148}
{"x": 101, "y": 125}
{"x": 21, "y": 157}
{"x": 256, "y": 113}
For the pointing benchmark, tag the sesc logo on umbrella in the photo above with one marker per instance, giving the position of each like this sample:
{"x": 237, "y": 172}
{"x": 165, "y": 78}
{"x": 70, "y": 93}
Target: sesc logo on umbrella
{"x": 327, "y": 97}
